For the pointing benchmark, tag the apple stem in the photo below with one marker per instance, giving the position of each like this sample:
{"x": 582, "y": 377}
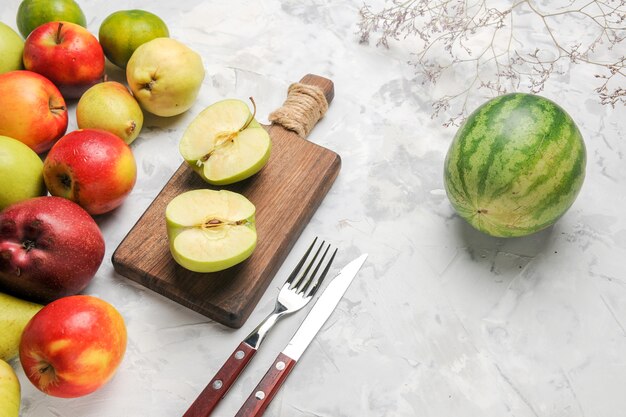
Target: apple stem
{"x": 226, "y": 137}
{"x": 251, "y": 118}
{"x": 54, "y": 108}
{"x": 28, "y": 245}
{"x": 58, "y": 37}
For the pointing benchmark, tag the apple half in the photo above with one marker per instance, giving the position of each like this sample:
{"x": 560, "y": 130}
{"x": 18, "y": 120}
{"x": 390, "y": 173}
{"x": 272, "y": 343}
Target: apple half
{"x": 225, "y": 144}
{"x": 210, "y": 230}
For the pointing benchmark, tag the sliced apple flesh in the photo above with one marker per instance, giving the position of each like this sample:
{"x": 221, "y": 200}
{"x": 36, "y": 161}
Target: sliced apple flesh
{"x": 210, "y": 230}
{"x": 225, "y": 144}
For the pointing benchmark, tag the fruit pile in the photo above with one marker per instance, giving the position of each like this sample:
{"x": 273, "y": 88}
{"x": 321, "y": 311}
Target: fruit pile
{"x": 60, "y": 61}
{"x": 92, "y": 170}
{"x": 50, "y": 245}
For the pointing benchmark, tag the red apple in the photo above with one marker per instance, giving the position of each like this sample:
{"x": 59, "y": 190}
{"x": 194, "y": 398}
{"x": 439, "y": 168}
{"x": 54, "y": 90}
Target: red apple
{"x": 66, "y": 53}
{"x": 49, "y": 248}
{"x": 32, "y": 109}
{"x": 73, "y": 346}
{"x": 91, "y": 167}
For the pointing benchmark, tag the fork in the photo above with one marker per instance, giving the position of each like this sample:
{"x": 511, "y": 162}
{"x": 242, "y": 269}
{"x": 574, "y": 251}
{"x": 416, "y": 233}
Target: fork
{"x": 295, "y": 293}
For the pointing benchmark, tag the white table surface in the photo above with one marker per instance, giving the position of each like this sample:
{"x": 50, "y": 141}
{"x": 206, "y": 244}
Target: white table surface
{"x": 442, "y": 320}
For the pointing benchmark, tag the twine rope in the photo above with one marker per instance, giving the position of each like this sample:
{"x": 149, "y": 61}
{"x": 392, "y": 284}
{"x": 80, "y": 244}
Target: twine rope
{"x": 304, "y": 106}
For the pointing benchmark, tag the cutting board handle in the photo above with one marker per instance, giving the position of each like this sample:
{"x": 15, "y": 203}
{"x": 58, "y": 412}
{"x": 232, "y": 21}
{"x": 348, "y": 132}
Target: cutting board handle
{"x": 324, "y": 84}
{"x": 306, "y": 103}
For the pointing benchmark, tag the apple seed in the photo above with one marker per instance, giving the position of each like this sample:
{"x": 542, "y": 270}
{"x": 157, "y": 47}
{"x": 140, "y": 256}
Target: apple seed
{"x": 213, "y": 223}
{"x": 217, "y": 222}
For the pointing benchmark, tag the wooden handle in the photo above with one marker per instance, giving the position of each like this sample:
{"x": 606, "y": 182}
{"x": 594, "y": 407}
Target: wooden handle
{"x": 306, "y": 103}
{"x": 327, "y": 86}
{"x": 208, "y": 399}
{"x": 265, "y": 391}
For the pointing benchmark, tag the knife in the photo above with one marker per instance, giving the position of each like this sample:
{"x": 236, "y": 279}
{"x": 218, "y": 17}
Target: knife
{"x": 267, "y": 388}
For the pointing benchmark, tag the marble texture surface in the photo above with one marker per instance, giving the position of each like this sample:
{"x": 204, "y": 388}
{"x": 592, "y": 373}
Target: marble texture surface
{"x": 442, "y": 320}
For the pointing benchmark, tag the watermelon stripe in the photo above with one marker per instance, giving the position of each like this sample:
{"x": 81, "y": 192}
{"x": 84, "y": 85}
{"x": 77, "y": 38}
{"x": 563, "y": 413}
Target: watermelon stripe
{"x": 570, "y": 181}
{"x": 545, "y": 143}
{"x": 519, "y": 156}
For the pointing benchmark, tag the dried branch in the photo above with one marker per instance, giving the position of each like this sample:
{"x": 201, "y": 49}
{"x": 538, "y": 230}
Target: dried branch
{"x": 478, "y": 45}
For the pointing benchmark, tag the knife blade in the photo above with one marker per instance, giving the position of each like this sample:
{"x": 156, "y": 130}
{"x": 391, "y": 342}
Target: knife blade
{"x": 269, "y": 385}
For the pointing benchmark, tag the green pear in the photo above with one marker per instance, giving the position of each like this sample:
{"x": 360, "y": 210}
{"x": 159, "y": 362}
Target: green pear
{"x": 110, "y": 106}
{"x": 15, "y": 313}
{"x": 10, "y": 391}
{"x": 165, "y": 76}
{"x": 11, "y": 49}
{"x": 21, "y": 172}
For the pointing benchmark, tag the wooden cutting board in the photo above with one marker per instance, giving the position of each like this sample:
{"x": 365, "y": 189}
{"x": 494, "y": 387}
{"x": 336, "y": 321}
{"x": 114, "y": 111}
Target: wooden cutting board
{"x": 286, "y": 193}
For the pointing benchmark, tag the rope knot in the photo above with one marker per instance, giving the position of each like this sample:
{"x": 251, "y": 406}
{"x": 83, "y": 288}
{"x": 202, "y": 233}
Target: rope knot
{"x": 304, "y": 107}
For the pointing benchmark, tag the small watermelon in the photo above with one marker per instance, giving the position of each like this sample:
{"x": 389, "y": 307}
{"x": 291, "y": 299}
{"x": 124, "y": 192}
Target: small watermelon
{"x": 515, "y": 165}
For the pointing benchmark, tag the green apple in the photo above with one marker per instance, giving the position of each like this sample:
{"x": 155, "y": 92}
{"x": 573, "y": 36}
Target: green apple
{"x": 123, "y": 31}
{"x": 110, "y": 106}
{"x": 34, "y": 13}
{"x": 210, "y": 230}
{"x": 165, "y": 76}
{"x": 15, "y": 313}
{"x": 21, "y": 172}
{"x": 11, "y": 49}
{"x": 10, "y": 391}
{"x": 225, "y": 144}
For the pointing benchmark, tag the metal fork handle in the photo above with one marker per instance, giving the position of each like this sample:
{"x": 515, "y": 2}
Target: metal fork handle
{"x": 256, "y": 337}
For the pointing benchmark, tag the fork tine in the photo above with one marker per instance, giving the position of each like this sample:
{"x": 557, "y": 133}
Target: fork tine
{"x": 317, "y": 284}
{"x": 310, "y": 278}
{"x": 295, "y": 271}
{"x": 302, "y": 277}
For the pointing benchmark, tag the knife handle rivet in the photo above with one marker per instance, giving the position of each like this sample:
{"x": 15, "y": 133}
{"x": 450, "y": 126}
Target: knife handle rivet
{"x": 259, "y": 395}
{"x": 280, "y": 365}
{"x": 217, "y": 384}
{"x": 239, "y": 354}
